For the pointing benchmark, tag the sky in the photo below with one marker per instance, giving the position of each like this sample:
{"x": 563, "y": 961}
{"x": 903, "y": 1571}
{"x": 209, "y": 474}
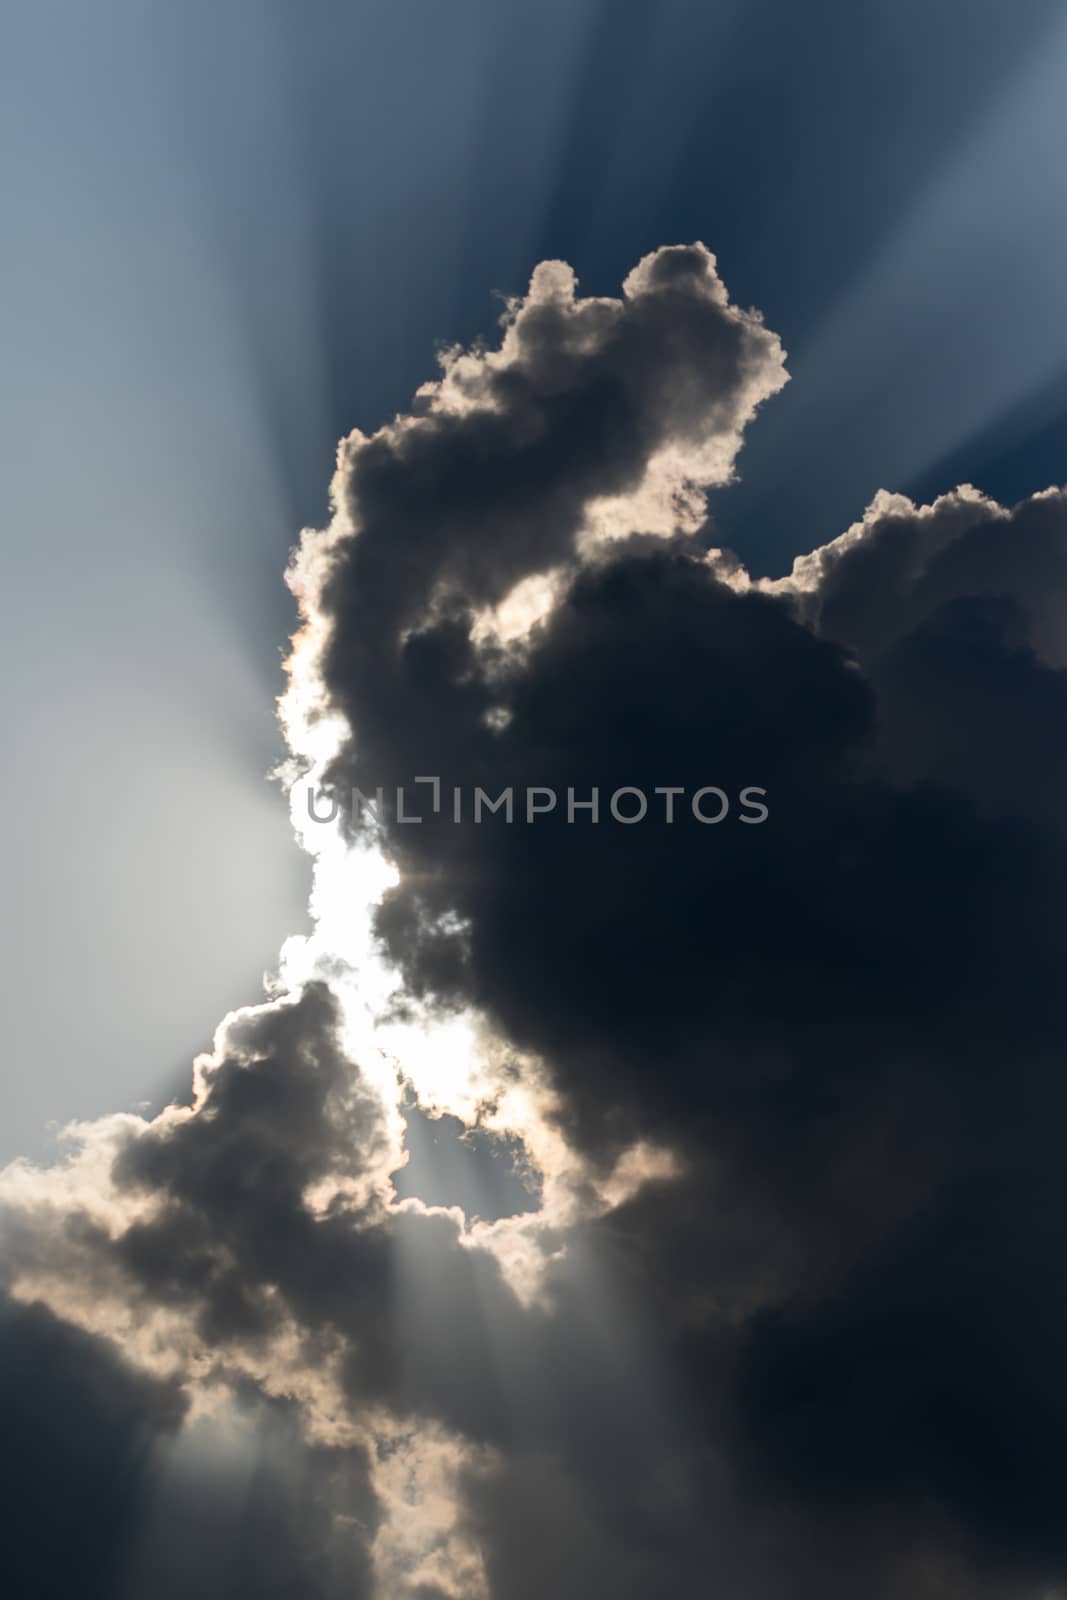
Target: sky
{"x": 634, "y": 1208}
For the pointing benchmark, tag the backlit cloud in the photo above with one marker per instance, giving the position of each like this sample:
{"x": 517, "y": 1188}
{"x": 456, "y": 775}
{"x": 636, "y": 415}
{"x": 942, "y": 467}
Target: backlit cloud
{"x": 779, "y": 1310}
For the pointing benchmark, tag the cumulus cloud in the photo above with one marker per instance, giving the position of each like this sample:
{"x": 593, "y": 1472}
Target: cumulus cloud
{"x": 776, "y": 1309}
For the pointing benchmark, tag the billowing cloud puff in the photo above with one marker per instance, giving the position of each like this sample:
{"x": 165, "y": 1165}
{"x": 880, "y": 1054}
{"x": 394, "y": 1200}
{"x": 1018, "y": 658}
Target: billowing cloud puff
{"x": 778, "y": 1312}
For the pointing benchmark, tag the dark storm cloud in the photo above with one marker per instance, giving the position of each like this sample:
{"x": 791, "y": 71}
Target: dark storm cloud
{"x": 99, "y": 1503}
{"x": 958, "y": 614}
{"x": 821, "y": 1356}
{"x": 233, "y": 1240}
{"x": 874, "y": 585}
{"x": 931, "y": 1382}
{"x": 491, "y": 480}
{"x": 846, "y": 1019}
{"x": 260, "y": 1222}
{"x": 79, "y": 1429}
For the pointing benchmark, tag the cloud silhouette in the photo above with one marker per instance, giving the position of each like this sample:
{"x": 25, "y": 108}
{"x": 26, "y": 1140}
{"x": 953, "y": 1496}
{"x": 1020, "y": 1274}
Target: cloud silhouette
{"x": 779, "y": 1312}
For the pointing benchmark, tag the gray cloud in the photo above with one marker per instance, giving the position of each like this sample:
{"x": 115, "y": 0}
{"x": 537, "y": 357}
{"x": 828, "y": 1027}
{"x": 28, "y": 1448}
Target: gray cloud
{"x": 815, "y": 1352}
